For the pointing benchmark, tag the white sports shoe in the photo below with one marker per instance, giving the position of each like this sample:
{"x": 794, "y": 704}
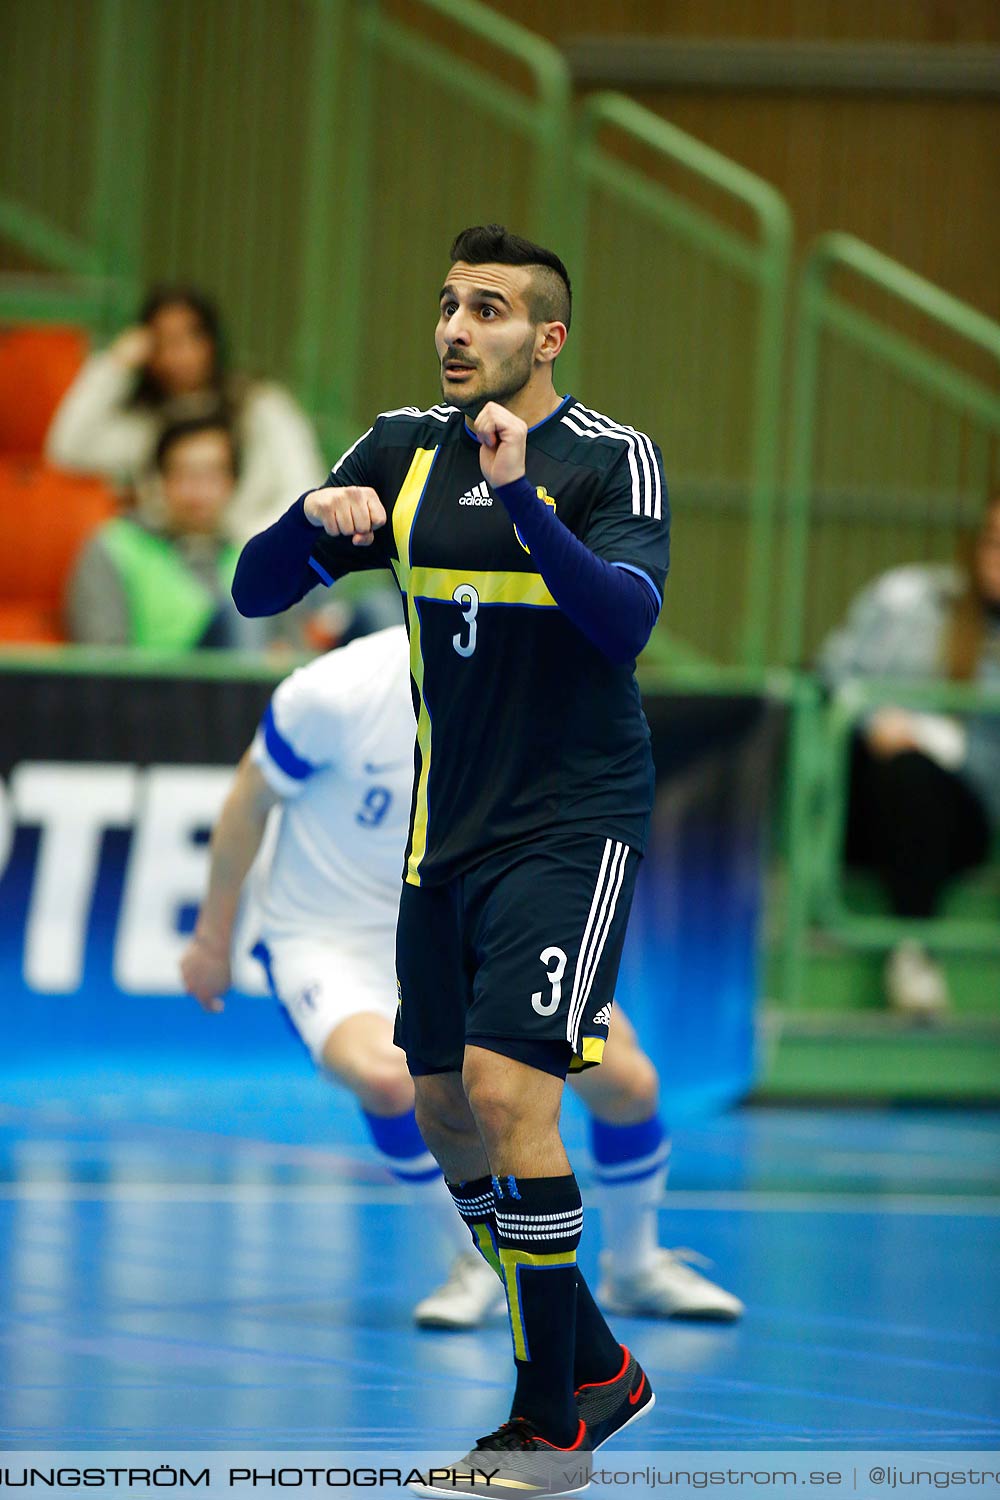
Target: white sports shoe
{"x": 470, "y": 1297}
{"x": 669, "y": 1288}
{"x": 914, "y": 984}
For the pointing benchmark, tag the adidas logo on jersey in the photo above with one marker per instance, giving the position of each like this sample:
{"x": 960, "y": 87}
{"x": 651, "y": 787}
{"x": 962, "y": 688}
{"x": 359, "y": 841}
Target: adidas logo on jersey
{"x": 478, "y": 495}
{"x": 603, "y": 1017}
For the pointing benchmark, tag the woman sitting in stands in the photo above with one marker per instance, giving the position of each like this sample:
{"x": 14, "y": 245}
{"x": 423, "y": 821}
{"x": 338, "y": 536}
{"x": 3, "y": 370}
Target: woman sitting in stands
{"x": 167, "y": 585}
{"x": 170, "y": 366}
{"x": 924, "y": 799}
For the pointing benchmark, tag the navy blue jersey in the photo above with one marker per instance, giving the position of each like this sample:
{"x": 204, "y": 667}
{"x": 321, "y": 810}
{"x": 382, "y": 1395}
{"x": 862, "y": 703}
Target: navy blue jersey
{"x": 523, "y": 725}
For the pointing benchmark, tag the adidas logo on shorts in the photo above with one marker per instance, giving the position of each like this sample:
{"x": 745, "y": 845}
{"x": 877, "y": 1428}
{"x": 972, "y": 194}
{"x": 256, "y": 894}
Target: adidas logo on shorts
{"x": 478, "y": 495}
{"x": 603, "y": 1017}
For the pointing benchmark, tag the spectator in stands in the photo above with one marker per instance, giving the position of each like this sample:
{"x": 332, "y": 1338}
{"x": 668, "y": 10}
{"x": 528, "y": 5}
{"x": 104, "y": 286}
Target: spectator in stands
{"x": 168, "y": 585}
{"x": 172, "y": 365}
{"x": 924, "y": 789}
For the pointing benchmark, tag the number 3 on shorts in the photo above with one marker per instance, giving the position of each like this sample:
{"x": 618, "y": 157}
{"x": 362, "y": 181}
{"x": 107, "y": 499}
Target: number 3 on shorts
{"x": 555, "y": 962}
{"x": 467, "y": 596}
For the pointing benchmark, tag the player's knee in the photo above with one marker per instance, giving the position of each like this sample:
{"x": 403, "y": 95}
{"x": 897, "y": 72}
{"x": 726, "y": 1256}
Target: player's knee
{"x": 373, "y": 1070}
{"x": 635, "y": 1097}
{"x": 385, "y": 1089}
{"x": 640, "y": 1088}
{"x": 624, "y": 1090}
{"x": 495, "y": 1106}
{"x": 442, "y": 1109}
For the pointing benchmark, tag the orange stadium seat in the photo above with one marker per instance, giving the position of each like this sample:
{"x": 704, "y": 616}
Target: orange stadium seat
{"x": 37, "y": 365}
{"x": 45, "y": 518}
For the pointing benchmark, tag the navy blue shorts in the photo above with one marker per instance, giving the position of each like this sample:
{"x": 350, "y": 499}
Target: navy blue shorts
{"x": 515, "y": 955}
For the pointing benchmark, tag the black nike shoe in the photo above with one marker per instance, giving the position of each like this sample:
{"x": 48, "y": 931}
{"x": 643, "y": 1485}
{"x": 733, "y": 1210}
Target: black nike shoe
{"x": 608, "y": 1406}
{"x": 514, "y": 1459}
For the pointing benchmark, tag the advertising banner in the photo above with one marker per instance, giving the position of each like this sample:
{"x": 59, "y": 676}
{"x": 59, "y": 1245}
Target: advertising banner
{"x": 109, "y": 786}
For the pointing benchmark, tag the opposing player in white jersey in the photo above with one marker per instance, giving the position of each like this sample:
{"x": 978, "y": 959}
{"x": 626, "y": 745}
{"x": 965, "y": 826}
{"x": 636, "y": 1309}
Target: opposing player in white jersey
{"x": 334, "y": 753}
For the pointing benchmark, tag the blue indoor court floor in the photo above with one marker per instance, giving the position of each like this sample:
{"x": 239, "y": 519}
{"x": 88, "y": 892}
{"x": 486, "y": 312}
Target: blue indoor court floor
{"x": 218, "y": 1263}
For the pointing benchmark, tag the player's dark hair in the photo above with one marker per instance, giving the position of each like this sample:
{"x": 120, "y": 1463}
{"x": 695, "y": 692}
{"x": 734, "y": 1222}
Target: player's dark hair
{"x": 148, "y": 391}
{"x": 187, "y": 427}
{"x": 551, "y": 294}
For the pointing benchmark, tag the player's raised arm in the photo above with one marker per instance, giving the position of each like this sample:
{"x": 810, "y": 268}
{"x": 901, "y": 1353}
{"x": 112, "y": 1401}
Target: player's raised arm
{"x": 273, "y": 571}
{"x": 322, "y": 536}
{"x": 205, "y": 962}
{"x": 503, "y": 438}
{"x": 611, "y": 600}
{"x": 353, "y": 511}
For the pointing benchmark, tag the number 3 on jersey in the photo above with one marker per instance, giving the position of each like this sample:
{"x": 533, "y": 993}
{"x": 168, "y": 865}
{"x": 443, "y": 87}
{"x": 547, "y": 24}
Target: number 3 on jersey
{"x": 467, "y": 597}
{"x": 555, "y": 962}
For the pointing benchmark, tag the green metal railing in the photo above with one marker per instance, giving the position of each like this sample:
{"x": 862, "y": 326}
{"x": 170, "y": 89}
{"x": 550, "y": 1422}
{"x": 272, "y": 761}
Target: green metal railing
{"x": 72, "y": 176}
{"x": 306, "y": 164}
{"x": 683, "y": 318}
{"x": 892, "y": 443}
{"x": 804, "y": 788}
{"x": 309, "y": 165}
{"x": 311, "y": 175}
{"x": 428, "y": 144}
{"x": 816, "y": 898}
{"x": 132, "y": 661}
{"x": 953, "y": 932}
{"x": 894, "y": 437}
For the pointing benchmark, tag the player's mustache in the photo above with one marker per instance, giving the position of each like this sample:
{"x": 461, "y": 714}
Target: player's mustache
{"x": 454, "y": 359}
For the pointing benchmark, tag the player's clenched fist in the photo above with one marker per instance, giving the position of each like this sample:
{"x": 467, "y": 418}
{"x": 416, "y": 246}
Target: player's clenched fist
{"x": 353, "y": 510}
{"x": 205, "y": 973}
{"x": 503, "y": 438}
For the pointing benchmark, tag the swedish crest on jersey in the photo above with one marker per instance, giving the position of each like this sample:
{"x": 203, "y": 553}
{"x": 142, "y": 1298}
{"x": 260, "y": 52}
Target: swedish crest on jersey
{"x": 542, "y": 494}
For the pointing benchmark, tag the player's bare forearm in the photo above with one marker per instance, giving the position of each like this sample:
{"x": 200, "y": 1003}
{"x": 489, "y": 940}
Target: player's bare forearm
{"x": 235, "y": 841}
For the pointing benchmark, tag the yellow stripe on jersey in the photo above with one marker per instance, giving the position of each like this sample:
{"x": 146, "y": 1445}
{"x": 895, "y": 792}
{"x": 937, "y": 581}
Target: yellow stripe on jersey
{"x": 405, "y": 509}
{"x": 418, "y": 842}
{"x": 510, "y": 1259}
{"x": 440, "y": 584}
{"x": 492, "y": 588}
{"x": 403, "y": 514}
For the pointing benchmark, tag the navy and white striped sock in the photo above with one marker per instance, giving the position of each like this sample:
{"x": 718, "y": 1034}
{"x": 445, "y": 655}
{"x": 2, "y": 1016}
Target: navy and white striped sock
{"x": 476, "y": 1207}
{"x": 630, "y": 1172}
{"x": 539, "y": 1221}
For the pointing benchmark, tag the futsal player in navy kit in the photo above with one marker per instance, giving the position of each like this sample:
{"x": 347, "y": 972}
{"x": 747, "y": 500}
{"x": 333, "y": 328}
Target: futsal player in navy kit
{"x": 529, "y": 539}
